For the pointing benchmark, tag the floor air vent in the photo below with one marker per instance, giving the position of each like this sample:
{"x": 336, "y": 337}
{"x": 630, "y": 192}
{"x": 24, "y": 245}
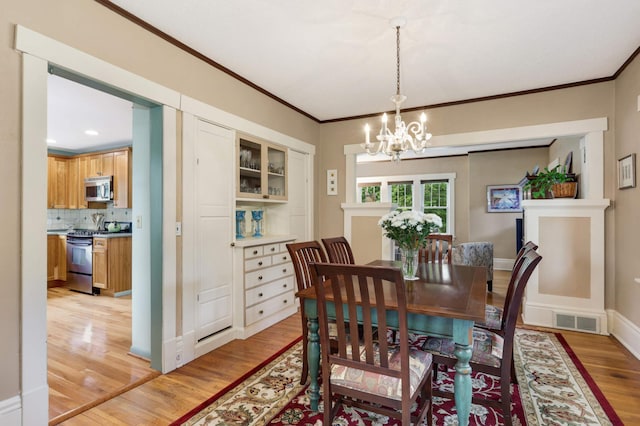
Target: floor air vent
{"x": 579, "y": 323}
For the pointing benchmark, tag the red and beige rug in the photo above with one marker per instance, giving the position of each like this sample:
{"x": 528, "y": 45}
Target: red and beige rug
{"x": 554, "y": 389}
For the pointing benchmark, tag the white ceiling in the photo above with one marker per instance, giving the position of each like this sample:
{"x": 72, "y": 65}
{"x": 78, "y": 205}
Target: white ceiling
{"x": 336, "y": 58}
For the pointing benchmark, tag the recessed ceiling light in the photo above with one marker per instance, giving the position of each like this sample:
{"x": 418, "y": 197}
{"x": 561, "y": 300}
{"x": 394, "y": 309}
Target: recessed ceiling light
{"x": 49, "y": 140}
{"x": 91, "y": 132}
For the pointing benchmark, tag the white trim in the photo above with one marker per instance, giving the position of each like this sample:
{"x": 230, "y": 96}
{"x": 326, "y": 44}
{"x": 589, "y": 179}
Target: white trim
{"x": 510, "y": 134}
{"x": 10, "y": 411}
{"x": 72, "y": 59}
{"x": 233, "y": 122}
{"x": 169, "y": 243}
{"x": 625, "y": 331}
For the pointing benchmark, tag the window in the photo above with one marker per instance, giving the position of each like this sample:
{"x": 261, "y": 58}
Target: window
{"x": 432, "y": 193}
{"x": 369, "y": 192}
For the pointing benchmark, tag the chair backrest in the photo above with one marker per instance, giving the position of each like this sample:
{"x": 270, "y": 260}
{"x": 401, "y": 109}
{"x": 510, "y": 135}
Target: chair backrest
{"x": 359, "y": 292}
{"x": 302, "y": 254}
{"x": 519, "y": 278}
{"x": 529, "y": 245}
{"x": 338, "y": 250}
{"x": 437, "y": 249}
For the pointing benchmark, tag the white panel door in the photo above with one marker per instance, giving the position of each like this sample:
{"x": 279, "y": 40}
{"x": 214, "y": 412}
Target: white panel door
{"x": 213, "y": 234}
{"x": 299, "y": 191}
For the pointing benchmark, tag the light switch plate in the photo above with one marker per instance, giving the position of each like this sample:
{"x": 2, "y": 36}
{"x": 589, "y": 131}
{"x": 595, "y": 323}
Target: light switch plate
{"x": 332, "y": 182}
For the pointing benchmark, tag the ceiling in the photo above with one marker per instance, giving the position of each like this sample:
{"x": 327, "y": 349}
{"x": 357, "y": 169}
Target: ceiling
{"x": 336, "y": 59}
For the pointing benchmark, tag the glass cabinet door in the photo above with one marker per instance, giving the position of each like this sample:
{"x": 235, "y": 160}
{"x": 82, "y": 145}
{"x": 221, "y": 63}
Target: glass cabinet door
{"x": 262, "y": 170}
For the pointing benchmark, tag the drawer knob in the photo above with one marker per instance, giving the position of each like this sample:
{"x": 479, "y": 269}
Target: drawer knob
{"x": 260, "y": 277}
{"x": 284, "y": 257}
{"x": 261, "y": 312}
{"x": 284, "y": 270}
{"x": 285, "y": 300}
{"x": 260, "y": 263}
{"x": 255, "y": 252}
{"x": 273, "y": 249}
{"x": 284, "y": 285}
{"x": 259, "y": 294}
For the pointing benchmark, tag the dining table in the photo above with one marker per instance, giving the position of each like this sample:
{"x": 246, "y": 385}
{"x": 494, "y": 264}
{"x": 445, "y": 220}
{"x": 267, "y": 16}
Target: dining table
{"x": 446, "y": 300}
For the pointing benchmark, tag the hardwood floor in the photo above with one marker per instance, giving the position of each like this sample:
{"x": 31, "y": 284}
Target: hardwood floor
{"x": 167, "y": 397}
{"x": 88, "y": 342}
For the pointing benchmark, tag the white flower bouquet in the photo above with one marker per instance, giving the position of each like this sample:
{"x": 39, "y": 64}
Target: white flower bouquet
{"x": 409, "y": 228}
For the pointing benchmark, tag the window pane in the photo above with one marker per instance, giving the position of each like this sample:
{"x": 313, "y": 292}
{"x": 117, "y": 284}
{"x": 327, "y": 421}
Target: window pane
{"x": 435, "y": 200}
{"x": 370, "y": 193}
{"x": 401, "y": 195}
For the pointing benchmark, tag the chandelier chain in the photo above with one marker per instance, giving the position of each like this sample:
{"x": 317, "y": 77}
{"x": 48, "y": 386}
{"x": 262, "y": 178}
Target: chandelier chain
{"x": 398, "y": 60}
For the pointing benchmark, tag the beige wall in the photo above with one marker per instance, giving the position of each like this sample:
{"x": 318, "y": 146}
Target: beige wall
{"x": 498, "y": 168}
{"x": 627, "y": 201}
{"x": 92, "y": 28}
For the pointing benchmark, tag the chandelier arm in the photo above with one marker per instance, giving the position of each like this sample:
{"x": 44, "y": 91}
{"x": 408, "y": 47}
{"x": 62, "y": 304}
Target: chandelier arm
{"x": 398, "y": 67}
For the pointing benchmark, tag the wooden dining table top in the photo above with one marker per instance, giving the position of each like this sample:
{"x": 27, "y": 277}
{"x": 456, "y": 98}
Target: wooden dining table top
{"x": 443, "y": 290}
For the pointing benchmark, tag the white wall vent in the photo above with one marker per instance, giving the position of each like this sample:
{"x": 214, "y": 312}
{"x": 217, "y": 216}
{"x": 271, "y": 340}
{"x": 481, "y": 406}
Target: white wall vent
{"x": 576, "y": 322}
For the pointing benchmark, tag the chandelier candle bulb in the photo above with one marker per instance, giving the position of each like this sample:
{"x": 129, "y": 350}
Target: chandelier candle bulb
{"x": 367, "y": 130}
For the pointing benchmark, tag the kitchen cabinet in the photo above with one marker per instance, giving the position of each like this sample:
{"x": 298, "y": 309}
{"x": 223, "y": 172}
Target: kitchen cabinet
{"x": 56, "y": 257}
{"x": 269, "y": 285}
{"x": 100, "y": 164}
{"x": 112, "y": 265}
{"x": 73, "y": 192}
{"x": 122, "y": 179}
{"x": 56, "y": 182}
{"x": 261, "y": 170}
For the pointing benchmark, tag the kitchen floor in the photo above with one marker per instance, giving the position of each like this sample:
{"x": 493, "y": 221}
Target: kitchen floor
{"x": 89, "y": 338}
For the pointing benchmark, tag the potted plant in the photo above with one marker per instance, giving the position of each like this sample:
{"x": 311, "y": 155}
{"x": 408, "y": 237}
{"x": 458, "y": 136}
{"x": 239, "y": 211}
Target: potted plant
{"x": 554, "y": 183}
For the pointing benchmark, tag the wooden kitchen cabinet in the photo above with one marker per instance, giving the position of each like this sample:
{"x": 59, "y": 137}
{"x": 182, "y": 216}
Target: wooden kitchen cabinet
{"x": 56, "y": 257}
{"x": 100, "y": 164}
{"x": 122, "y": 179}
{"x": 56, "y": 182}
{"x": 112, "y": 265}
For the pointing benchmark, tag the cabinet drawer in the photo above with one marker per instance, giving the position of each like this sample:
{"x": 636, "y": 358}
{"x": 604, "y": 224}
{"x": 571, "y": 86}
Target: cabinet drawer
{"x": 283, "y": 246}
{"x": 271, "y": 249}
{"x": 267, "y": 291}
{"x": 257, "y": 263}
{"x": 251, "y": 252}
{"x": 262, "y": 276}
{"x": 269, "y": 307}
{"x": 280, "y": 258}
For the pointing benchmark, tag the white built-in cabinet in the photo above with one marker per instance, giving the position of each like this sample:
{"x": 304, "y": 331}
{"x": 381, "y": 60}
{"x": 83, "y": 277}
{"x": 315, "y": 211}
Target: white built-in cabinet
{"x": 235, "y": 287}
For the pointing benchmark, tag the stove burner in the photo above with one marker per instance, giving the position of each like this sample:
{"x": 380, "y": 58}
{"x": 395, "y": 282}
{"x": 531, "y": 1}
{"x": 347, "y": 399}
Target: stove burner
{"x": 83, "y": 233}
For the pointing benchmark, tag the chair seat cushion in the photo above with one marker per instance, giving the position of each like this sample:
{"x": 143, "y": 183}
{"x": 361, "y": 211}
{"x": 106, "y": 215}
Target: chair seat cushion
{"x": 487, "y": 347}
{"x": 492, "y": 318}
{"x": 380, "y": 384}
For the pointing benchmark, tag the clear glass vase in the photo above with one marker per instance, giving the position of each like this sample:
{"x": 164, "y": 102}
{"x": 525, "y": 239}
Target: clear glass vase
{"x": 409, "y": 258}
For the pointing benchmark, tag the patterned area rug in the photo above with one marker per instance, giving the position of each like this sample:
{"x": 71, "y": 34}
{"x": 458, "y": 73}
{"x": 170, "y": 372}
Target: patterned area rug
{"x": 554, "y": 389}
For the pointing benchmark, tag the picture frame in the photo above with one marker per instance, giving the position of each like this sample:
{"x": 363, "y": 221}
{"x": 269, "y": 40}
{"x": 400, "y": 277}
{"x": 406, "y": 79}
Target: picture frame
{"x": 627, "y": 172}
{"x": 504, "y": 198}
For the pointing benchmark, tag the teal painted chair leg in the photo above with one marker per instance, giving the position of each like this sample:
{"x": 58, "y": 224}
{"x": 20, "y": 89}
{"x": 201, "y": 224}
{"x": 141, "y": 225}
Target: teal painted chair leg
{"x": 313, "y": 354}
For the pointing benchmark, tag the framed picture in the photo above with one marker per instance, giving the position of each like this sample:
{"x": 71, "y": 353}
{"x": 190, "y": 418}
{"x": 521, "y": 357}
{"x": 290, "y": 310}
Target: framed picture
{"x": 504, "y": 198}
{"x": 627, "y": 172}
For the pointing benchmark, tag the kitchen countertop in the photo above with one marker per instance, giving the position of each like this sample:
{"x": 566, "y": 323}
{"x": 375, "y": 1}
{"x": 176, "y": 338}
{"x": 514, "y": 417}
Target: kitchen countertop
{"x": 105, "y": 234}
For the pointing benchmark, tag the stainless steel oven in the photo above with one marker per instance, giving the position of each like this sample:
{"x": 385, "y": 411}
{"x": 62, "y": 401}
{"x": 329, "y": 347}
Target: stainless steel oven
{"x": 80, "y": 263}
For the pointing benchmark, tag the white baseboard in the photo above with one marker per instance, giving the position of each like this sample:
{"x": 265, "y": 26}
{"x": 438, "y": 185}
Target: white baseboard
{"x": 625, "y": 331}
{"x": 11, "y": 411}
{"x": 503, "y": 264}
{"x": 215, "y": 341}
{"x": 170, "y": 358}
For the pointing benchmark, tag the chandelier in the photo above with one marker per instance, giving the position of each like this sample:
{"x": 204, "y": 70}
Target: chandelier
{"x": 404, "y": 137}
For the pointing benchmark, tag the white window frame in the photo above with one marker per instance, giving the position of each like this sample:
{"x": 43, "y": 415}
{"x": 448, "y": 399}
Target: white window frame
{"x": 385, "y": 193}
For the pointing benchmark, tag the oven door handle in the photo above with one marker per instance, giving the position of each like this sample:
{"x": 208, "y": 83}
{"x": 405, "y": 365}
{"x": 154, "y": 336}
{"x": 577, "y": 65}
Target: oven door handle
{"x": 80, "y": 242}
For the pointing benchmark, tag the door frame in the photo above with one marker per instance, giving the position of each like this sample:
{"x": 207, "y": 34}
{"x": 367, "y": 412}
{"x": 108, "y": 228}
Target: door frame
{"x": 38, "y": 52}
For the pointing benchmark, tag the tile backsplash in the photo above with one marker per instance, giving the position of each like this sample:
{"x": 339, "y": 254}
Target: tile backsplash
{"x": 81, "y": 219}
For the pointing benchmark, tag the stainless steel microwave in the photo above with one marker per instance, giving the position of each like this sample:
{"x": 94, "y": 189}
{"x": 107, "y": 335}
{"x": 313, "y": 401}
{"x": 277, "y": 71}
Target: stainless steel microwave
{"x": 98, "y": 188}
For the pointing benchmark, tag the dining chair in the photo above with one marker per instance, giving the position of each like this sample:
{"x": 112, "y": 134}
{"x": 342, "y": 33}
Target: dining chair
{"x": 338, "y": 250}
{"x": 493, "y": 314}
{"x": 302, "y": 254}
{"x": 475, "y": 253}
{"x": 364, "y": 372}
{"x": 437, "y": 249}
{"x": 492, "y": 351}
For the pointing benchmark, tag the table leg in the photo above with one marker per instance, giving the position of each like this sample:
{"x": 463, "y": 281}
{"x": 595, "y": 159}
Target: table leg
{"x": 463, "y": 338}
{"x": 313, "y": 357}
